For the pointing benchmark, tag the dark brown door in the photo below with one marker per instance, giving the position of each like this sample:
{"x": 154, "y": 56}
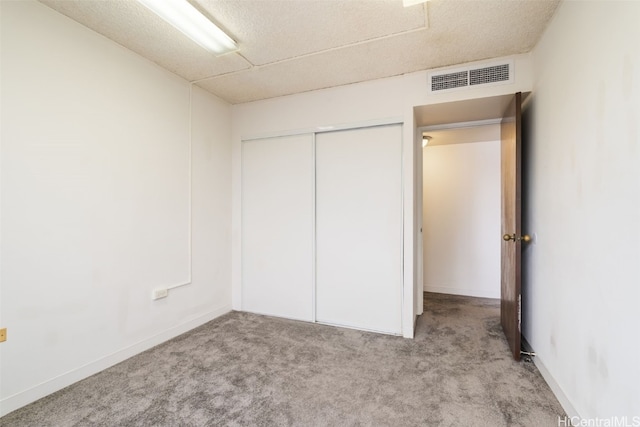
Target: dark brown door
{"x": 511, "y": 159}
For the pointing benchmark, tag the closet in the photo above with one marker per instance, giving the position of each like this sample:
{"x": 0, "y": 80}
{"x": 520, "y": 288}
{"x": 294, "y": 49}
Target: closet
{"x": 322, "y": 227}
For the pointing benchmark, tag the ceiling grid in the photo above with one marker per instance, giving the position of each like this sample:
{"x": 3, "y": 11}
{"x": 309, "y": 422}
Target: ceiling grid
{"x": 288, "y": 47}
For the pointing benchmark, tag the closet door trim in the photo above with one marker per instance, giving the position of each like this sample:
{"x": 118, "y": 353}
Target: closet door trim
{"x": 326, "y": 128}
{"x": 313, "y": 132}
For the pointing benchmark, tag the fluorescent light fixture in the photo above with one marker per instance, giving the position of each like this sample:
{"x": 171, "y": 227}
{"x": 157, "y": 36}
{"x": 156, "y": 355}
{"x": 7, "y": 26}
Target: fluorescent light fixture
{"x": 193, "y": 24}
{"x": 425, "y": 140}
{"x": 407, "y": 3}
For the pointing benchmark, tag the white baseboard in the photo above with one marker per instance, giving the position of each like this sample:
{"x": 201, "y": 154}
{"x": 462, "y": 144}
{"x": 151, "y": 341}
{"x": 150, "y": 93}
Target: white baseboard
{"x": 572, "y": 414}
{"x": 462, "y": 291}
{"x": 41, "y": 390}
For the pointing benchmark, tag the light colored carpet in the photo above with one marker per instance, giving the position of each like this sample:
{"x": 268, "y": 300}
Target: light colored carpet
{"x": 248, "y": 370}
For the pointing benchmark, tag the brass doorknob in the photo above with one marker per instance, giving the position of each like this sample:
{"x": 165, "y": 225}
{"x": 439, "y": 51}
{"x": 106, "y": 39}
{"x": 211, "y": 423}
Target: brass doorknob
{"x": 525, "y": 238}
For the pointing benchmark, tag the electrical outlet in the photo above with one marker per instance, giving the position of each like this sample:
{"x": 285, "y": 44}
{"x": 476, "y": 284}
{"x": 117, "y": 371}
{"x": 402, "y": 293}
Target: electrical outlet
{"x": 3, "y": 334}
{"x": 159, "y": 293}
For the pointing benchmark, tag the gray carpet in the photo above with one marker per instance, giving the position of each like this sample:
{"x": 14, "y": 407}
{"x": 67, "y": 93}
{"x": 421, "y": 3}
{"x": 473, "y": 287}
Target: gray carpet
{"x": 248, "y": 370}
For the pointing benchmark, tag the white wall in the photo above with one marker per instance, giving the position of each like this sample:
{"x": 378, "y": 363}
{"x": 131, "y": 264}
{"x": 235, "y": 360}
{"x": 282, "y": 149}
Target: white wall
{"x": 582, "y": 275}
{"x": 461, "y": 219}
{"x": 96, "y": 210}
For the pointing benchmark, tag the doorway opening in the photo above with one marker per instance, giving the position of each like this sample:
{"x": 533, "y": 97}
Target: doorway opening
{"x": 454, "y": 213}
{"x": 461, "y": 209}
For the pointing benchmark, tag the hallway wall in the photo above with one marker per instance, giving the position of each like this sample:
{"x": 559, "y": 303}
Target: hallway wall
{"x": 461, "y": 219}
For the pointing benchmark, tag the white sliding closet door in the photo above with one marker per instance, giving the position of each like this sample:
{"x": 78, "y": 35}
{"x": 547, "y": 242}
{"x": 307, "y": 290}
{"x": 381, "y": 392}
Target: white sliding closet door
{"x": 359, "y": 228}
{"x": 277, "y": 226}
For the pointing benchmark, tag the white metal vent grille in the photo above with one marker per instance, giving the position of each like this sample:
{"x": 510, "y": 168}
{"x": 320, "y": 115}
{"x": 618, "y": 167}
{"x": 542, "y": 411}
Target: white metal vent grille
{"x": 461, "y": 78}
{"x": 498, "y": 73}
{"x": 450, "y": 81}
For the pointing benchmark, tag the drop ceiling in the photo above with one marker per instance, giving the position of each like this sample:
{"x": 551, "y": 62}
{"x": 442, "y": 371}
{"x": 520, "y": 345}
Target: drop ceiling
{"x": 293, "y": 46}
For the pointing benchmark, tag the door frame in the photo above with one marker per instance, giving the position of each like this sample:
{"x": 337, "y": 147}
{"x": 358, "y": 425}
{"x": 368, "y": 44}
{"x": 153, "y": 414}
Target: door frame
{"x": 462, "y": 112}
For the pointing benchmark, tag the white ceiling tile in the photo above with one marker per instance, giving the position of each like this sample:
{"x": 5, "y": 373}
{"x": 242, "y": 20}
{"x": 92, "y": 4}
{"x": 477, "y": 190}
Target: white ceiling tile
{"x": 497, "y": 27}
{"x": 273, "y": 30}
{"x": 458, "y": 33}
{"x": 369, "y": 61}
{"x": 289, "y": 46}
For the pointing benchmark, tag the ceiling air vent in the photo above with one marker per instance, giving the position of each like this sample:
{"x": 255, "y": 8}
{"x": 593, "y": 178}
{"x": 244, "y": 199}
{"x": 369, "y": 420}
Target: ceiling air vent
{"x": 497, "y": 73}
{"x": 471, "y": 76}
{"x": 450, "y": 81}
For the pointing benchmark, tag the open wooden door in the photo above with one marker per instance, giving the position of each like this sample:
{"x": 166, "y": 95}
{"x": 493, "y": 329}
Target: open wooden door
{"x": 512, "y": 238}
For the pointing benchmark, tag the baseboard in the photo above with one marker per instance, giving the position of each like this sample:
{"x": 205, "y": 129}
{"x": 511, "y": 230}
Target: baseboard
{"x": 572, "y": 414}
{"x": 41, "y": 390}
{"x": 461, "y": 291}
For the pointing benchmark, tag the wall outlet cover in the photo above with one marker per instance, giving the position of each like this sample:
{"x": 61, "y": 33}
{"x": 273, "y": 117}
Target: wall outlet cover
{"x": 159, "y": 293}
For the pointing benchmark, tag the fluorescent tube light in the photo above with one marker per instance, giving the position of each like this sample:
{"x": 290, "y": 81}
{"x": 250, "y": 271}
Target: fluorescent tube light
{"x": 193, "y": 24}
